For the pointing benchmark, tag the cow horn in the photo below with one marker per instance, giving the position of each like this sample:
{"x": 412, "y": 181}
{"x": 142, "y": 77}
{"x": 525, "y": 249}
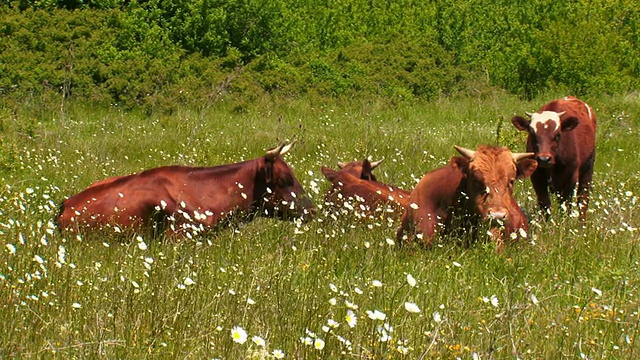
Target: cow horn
{"x": 469, "y": 154}
{"x": 561, "y": 113}
{"x": 285, "y": 149}
{"x": 529, "y": 114}
{"x": 375, "y": 164}
{"x": 341, "y": 164}
{"x": 271, "y": 154}
{"x": 520, "y": 156}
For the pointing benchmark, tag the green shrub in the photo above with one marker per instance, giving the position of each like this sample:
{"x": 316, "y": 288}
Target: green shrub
{"x": 145, "y": 53}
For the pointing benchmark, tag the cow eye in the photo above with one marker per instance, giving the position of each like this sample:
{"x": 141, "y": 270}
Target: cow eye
{"x": 557, "y": 137}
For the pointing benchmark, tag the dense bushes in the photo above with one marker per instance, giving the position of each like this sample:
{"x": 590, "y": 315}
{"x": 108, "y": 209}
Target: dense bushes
{"x": 159, "y": 54}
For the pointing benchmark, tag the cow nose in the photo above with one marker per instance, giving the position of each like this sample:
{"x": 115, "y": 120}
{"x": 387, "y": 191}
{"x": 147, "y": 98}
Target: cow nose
{"x": 544, "y": 159}
{"x": 498, "y": 213}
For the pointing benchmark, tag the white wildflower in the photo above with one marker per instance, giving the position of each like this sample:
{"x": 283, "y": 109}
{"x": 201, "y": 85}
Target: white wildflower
{"x": 411, "y": 307}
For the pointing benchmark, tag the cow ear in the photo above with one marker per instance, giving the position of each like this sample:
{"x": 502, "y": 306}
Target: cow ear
{"x": 330, "y": 174}
{"x": 525, "y": 168}
{"x": 520, "y": 123}
{"x": 569, "y": 124}
{"x": 460, "y": 163}
{"x": 366, "y": 170}
{"x": 268, "y": 170}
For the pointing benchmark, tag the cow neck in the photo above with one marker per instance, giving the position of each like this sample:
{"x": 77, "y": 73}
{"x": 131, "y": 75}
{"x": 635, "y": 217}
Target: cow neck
{"x": 462, "y": 192}
{"x": 238, "y": 177}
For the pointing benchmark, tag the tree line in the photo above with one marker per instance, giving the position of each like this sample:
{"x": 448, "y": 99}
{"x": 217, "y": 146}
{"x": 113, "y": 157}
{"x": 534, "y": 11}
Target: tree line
{"x": 158, "y": 54}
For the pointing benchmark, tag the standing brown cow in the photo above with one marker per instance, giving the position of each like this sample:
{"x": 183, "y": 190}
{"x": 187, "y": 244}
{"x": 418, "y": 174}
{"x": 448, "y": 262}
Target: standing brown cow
{"x": 185, "y": 198}
{"x": 354, "y": 185}
{"x": 563, "y": 136}
{"x": 477, "y": 186}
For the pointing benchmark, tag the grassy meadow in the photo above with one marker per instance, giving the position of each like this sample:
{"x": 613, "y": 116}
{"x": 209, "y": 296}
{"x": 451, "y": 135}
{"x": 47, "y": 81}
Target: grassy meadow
{"x": 333, "y": 288}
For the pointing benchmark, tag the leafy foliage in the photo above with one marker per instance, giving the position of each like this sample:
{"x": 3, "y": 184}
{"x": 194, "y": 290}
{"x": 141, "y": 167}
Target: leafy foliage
{"x": 148, "y": 53}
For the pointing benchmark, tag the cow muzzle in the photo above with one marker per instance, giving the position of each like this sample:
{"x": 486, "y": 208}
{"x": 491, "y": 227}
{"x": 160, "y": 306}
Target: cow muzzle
{"x": 308, "y": 209}
{"x": 544, "y": 160}
{"x": 497, "y": 213}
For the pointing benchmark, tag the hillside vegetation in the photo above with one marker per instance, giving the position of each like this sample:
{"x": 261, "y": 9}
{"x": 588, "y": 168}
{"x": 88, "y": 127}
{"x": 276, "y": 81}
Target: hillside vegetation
{"x": 160, "y": 54}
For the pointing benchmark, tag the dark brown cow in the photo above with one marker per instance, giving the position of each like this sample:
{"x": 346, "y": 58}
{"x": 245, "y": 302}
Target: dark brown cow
{"x": 563, "y": 136}
{"x": 189, "y": 199}
{"x": 355, "y": 186}
{"x": 476, "y": 186}
{"x": 360, "y": 169}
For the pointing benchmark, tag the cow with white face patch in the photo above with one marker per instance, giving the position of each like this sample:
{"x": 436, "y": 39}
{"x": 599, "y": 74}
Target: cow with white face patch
{"x": 562, "y": 135}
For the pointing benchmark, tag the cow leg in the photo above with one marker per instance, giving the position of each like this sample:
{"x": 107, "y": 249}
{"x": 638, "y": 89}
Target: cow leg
{"x": 564, "y": 185}
{"x": 404, "y": 228}
{"x": 420, "y": 223}
{"x": 584, "y": 185}
{"x": 540, "y": 182}
{"x": 426, "y": 225}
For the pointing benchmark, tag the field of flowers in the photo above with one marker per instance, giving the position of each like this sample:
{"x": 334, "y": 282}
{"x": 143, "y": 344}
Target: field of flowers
{"x": 336, "y": 287}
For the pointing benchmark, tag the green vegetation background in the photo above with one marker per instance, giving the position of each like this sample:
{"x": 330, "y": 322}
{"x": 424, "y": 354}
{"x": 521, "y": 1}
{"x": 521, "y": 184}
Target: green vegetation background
{"x": 220, "y": 82}
{"x": 161, "y": 54}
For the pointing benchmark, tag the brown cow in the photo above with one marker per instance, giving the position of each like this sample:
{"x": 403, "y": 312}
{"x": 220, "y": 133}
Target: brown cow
{"x": 105, "y": 181}
{"x": 361, "y": 169}
{"x": 185, "y": 198}
{"x": 355, "y": 186}
{"x": 563, "y": 136}
{"x": 473, "y": 187}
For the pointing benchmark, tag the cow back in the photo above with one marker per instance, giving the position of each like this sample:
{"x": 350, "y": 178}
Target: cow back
{"x": 366, "y": 196}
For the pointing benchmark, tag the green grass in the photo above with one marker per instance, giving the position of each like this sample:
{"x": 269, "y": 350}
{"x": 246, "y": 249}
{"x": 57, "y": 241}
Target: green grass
{"x": 568, "y": 291}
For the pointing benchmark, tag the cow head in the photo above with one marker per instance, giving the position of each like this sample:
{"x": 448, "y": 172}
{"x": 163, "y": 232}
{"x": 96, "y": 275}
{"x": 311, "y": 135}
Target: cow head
{"x": 282, "y": 196}
{"x": 361, "y": 169}
{"x": 490, "y": 174}
{"x": 545, "y": 130}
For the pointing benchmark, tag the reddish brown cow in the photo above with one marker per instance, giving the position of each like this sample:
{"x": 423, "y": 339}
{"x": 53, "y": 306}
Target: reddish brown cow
{"x": 360, "y": 169}
{"x": 185, "y": 198}
{"x": 476, "y": 186}
{"x": 106, "y": 181}
{"x": 563, "y": 136}
{"x": 356, "y": 186}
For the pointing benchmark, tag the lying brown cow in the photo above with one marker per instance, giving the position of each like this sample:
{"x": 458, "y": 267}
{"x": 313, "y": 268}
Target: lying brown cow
{"x": 563, "y": 136}
{"x": 477, "y": 186}
{"x": 355, "y": 186}
{"x": 360, "y": 169}
{"x": 181, "y": 198}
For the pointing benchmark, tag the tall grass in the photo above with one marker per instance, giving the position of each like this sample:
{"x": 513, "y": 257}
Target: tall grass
{"x": 567, "y": 291}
